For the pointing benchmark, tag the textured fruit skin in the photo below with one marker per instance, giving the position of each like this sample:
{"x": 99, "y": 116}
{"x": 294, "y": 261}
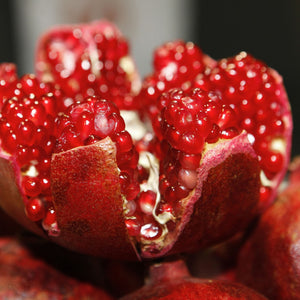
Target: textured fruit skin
{"x": 8, "y": 226}
{"x": 172, "y": 281}
{"x": 22, "y": 276}
{"x": 269, "y": 261}
{"x": 213, "y": 213}
{"x": 88, "y": 201}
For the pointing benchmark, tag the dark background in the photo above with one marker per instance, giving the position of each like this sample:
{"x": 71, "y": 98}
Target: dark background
{"x": 270, "y": 30}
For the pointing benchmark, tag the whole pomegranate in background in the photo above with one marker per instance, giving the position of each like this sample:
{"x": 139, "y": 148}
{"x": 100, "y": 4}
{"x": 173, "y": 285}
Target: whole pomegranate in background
{"x": 269, "y": 261}
{"x": 23, "y": 276}
{"x": 90, "y": 185}
{"x": 123, "y": 277}
{"x": 171, "y": 280}
{"x": 8, "y": 226}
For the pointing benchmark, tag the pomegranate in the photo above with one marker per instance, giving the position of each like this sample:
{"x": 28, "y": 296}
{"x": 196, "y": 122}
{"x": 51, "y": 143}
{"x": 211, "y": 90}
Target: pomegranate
{"x": 171, "y": 280}
{"x": 269, "y": 261}
{"x": 85, "y": 180}
{"x": 149, "y": 200}
{"x": 123, "y": 277}
{"x": 254, "y": 91}
{"x": 8, "y": 226}
{"x": 23, "y": 276}
{"x": 87, "y": 60}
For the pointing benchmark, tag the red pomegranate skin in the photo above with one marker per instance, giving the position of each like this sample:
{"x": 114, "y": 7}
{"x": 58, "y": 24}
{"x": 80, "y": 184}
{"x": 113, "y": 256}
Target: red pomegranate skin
{"x": 24, "y": 276}
{"x": 213, "y": 214}
{"x": 123, "y": 277}
{"x": 171, "y": 280}
{"x": 269, "y": 261}
{"x": 8, "y": 226}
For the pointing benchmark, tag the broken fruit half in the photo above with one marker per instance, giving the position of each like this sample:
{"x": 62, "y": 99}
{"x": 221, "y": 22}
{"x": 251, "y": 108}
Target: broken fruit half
{"x": 254, "y": 91}
{"x": 195, "y": 175}
{"x": 86, "y": 183}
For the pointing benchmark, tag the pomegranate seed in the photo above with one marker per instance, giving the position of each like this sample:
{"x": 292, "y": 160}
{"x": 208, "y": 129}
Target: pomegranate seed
{"x": 123, "y": 141}
{"x": 181, "y": 191}
{"x": 26, "y": 131}
{"x": 133, "y": 227}
{"x": 147, "y": 202}
{"x": 189, "y": 161}
{"x": 132, "y": 191}
{"x": 49, "y": 219}
{"x": 151, "y": 231}
{"x": 31, "y": 186}
{"x": 35, "y": 209}
{"x": 85, "y": 124}
{"x": 130, "y": 208}
{"x": 187, "y": 178}
{"x": 273, "y": 162}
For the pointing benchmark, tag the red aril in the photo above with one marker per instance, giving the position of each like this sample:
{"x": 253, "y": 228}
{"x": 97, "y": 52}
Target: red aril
{"x": 95, "y": 178}
{"x": 93, "y": 188}
{"x": 87, "y": 60}
{"x": 257, "y": 95}
{"x": 254, "y": 91}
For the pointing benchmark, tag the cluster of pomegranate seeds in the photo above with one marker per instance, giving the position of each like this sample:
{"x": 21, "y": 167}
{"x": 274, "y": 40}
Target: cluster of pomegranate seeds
{"x": 188, "y": 122}
{"x": 89, "y": 60}
{"x": 257, "y": 96}
{"x": 91, "y": 120}
{"x": 26, "y": 130}
{"x": 176, "y": 64}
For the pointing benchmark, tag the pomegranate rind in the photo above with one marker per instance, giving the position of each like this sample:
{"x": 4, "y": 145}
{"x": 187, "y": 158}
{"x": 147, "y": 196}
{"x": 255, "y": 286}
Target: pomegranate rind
{"x": 171, "y": 280}
{"x": 24, "y": 276}
{"x": 269, "y": 260}
{"x": 223, "y": 203}
{"x": 88, "y": 202}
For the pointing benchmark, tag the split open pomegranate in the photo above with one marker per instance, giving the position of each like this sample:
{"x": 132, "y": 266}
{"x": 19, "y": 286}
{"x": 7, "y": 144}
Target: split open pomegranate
{"x": 254, "y": 91}
{"x": 84, "y": 178}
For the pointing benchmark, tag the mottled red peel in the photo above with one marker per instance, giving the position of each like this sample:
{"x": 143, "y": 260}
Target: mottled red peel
{"x": 269, "y": 261}
{"x": 88, "y": 202}
{"x": 171, "y": 280}
{"x": 24, "y": 276}
{"x": 223, "y": 203}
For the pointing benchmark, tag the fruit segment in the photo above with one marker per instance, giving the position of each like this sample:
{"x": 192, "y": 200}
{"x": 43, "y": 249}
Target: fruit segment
{"x": 89, "y": 60}
{"x": 255, "y": 93}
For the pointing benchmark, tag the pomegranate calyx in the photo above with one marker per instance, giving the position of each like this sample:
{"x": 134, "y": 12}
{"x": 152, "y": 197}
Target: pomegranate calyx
{"x": 166, "y": 271}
